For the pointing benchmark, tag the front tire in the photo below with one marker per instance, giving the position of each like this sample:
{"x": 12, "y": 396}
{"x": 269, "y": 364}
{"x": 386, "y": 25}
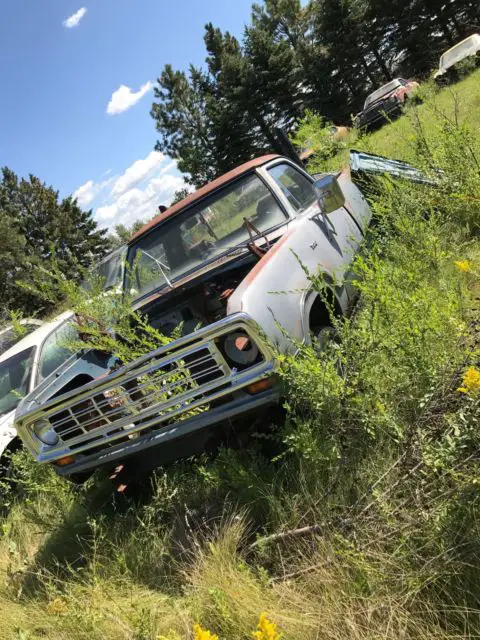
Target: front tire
{"x": 78, "y": 478}
{"x": 323, "y": 336}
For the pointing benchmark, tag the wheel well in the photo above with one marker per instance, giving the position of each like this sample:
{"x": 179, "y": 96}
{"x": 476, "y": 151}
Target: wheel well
{"x": 13, "y": 446}
{"x": 5, "y": 458}
{"x": 319, "y": 315}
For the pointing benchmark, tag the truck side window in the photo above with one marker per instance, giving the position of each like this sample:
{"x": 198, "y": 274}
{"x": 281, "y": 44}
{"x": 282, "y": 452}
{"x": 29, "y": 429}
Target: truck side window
{"x": 298, "y": 189}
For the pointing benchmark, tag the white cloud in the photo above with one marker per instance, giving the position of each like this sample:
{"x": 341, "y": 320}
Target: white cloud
{"x": 127, "y": 201}
{"x": 73, "y": 21}
{"x": 86, "y": 193}
{"x": 140, "y": 204}
{"x": 137, "y": 172}
{"x": 124, "y": 98}
{"x": 136, "y": 194}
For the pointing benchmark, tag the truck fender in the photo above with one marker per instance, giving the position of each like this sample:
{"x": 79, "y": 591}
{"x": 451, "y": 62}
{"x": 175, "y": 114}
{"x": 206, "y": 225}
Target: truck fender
{"x": 6, "y": 441}
{"x": 275, "y": 292}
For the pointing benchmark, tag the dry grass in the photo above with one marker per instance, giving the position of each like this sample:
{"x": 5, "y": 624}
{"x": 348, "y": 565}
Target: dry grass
{"x": 224, "y": 594}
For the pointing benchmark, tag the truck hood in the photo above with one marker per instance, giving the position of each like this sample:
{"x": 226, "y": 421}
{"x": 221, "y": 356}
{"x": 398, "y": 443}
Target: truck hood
{"x": 210, "y": 267}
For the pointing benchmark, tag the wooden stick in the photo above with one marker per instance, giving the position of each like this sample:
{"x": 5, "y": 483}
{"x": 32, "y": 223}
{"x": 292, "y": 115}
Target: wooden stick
{"x": 276, "y": 537}
{"x": 300, "y": 572}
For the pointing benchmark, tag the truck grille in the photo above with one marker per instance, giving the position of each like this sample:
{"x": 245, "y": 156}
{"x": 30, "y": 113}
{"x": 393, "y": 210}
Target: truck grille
{"x": 171, "y": 387}
{"x": 174, "y": 383}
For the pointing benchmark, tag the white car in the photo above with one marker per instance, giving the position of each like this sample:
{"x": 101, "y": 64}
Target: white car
{"x": 468, "y": 48}
{"x": 24, "y": 366}
{"x": 10, "y": 335}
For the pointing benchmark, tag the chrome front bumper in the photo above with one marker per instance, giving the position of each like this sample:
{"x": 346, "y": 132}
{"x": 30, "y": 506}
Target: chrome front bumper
{"x": 168, "y": 394}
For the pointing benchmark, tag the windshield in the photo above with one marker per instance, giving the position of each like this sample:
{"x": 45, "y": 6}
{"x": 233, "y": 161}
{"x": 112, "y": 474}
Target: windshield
{"x": 109, "y": 271}
{"x": 14, "y": 378}
{"x": 12, "y": 335}
{"x": 56, "y": 349}
{"x": 202, "y": 233}
{"x": 383, "y": 91}
{"x": 458, "y": 52}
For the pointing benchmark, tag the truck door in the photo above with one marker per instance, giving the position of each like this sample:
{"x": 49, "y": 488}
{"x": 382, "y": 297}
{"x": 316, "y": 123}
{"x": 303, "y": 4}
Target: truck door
{"x": 334, "y": 238}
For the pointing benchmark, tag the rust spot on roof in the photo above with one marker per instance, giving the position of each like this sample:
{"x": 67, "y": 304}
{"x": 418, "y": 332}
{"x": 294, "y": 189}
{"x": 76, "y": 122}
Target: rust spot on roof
{"x": 204, "y": 191}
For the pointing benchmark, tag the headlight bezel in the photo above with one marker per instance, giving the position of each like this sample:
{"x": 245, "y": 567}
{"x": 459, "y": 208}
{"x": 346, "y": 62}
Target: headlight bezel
{"x": 238, "y": 356}
{"x": 42, "y": 430}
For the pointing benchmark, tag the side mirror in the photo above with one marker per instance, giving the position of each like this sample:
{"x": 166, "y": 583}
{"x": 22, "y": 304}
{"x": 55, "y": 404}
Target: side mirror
{"x": 330, "y": 194}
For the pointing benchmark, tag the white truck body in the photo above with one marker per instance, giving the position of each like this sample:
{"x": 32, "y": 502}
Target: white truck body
{"x": 232, "y": 263}
{"x": 468, "y": 48}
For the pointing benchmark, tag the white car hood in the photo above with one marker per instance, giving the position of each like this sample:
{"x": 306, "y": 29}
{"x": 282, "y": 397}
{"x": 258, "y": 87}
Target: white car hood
{"x": 7, "y": 430}
{"x": 459, "y": 55}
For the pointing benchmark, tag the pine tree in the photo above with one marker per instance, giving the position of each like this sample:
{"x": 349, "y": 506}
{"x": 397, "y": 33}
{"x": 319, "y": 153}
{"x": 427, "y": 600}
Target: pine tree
{"x": 183, "y": 118}
{"x": 41, "y": 229}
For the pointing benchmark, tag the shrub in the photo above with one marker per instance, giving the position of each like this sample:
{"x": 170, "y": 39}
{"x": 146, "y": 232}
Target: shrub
{"x": 315, "y": 133}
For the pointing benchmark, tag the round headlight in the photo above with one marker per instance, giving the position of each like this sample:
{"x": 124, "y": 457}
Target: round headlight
{"x": 44, "y": 432}
{"x": 240, "y": 348}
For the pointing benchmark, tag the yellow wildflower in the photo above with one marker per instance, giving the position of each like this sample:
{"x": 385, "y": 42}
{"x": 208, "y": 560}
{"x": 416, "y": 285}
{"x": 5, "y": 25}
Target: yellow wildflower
{"x": 266, "y": 630}
{"x": 203, "y": 634}
{"x": 56, "y": 606}
{"x": 463, "y": 265}
{"x": 470, "y": 382}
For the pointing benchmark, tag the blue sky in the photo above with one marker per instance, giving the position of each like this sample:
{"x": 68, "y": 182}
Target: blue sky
{"x": 70, "y": 111}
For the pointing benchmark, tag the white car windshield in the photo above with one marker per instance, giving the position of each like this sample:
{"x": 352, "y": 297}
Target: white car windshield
{"x": 14, "y": 378}
{"x": 186, "y": 242}
{"x": 12, "y": 335}
{"x": 457, "y": 53}
{"x": 383, "y": 91}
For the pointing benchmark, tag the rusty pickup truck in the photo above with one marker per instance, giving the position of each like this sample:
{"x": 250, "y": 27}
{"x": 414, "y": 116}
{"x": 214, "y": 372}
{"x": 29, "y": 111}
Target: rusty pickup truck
{"x": 386, "y": 102}
{"x": 230, "y": 264}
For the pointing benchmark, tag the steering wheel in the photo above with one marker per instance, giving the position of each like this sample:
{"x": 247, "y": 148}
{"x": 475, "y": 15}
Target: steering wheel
{"x": 202, "y": 250}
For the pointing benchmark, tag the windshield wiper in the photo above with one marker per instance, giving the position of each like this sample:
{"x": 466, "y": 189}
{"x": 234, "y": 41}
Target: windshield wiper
{"x": 161, "y": 266}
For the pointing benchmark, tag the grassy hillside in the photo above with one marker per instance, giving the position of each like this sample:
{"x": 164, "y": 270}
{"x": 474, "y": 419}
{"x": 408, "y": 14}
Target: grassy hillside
{"x": 358, "y": 516}
{"x": 460, "y": 103}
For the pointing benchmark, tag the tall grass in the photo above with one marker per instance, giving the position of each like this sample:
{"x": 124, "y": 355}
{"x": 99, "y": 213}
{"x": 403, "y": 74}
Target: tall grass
{"x": 355, "y": 518}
